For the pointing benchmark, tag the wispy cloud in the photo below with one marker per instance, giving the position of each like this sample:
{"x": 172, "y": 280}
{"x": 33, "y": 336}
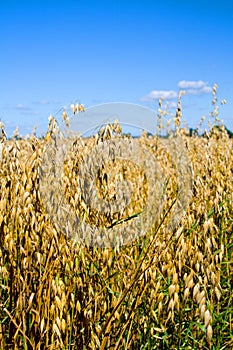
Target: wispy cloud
{"x": 25, "y": 109}
{"x": 193, "y": 87}
{"x": 157, "y": 94}
{"x": 46, "y": 102}
{"x": 22, "y": 107}
{"x": 42, "y": 102}
{"x": 171, "y": 104}
{"x": 184, "y": 84}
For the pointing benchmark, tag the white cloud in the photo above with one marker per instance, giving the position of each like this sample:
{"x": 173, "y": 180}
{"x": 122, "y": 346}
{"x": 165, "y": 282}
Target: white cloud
{"x": 206, "y": 89}
{"x": 172, "y": 104}
{"x": 41, "y": 102}
{"x": 185, "y": 84}
{"x": 25, "y": 109}
{"x": 192, "y": 87}
{"x": 44, "y": 102}
{"x": 22, "y": 107}
{"x": 31, "y": 112}
{"x": 157, "y": 94}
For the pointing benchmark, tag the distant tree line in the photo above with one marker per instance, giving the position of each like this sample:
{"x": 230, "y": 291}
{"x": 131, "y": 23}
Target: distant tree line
{"x": 215, "y": 128}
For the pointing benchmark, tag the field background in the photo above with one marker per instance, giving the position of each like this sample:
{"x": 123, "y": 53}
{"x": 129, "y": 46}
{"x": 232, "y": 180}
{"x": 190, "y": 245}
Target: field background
{"x": 167, "y": 290}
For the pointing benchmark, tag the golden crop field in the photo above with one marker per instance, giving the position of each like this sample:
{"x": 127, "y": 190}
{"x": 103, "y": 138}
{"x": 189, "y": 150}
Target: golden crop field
{"x": 168, "y": 289}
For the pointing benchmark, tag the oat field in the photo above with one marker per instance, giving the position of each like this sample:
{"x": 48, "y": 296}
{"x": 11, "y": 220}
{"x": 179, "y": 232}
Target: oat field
{"x": 169, "y": 289}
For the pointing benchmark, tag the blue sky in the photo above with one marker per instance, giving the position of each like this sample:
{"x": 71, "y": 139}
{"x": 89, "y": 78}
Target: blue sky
{"x": 54, "y": 53}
